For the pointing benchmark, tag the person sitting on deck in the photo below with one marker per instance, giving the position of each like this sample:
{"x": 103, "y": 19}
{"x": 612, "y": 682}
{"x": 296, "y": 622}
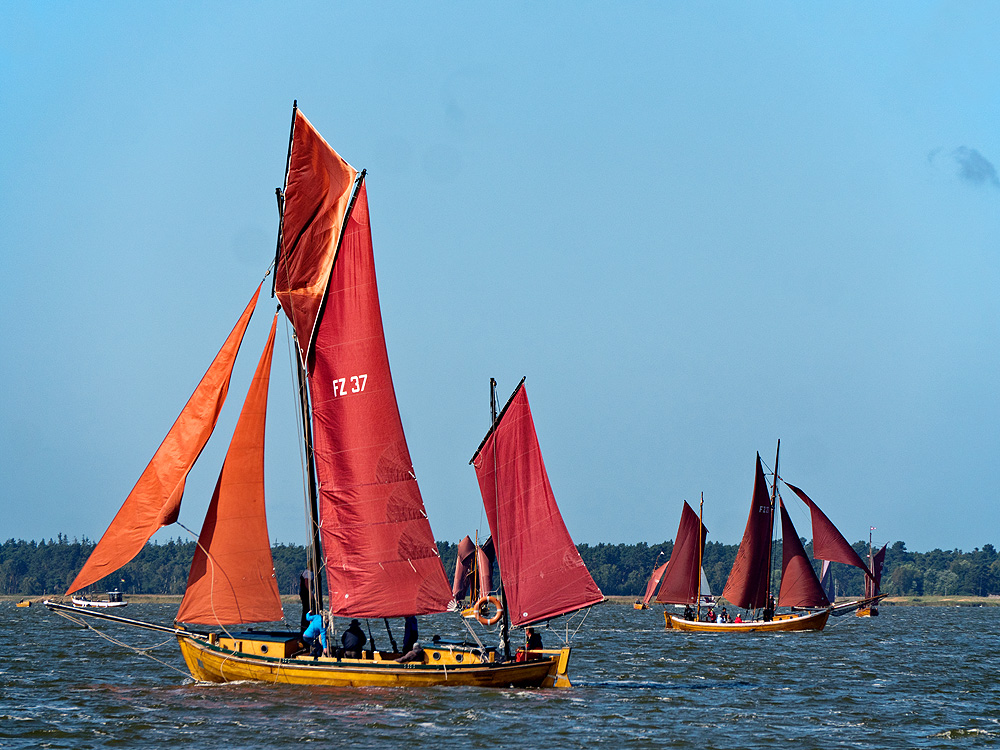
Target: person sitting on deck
{"x": 353, "y": 641}
{"x": 710, "y": 617}
{"x": 532, "y": 640}
{"x": 315, "y": 634}
{"x": 688, "y": 612}
{"x": 724, "y": 615}
{"x": 411, "y": 649}
{"x": 738, "y": 618}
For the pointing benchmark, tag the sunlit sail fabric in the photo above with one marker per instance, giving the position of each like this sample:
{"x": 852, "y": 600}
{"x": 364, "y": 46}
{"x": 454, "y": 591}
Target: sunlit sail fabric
{"x": 232, "y": 574}
{"x": 746, "y": 586}
{"x": 654, "y": 583}
{"x": 799, "y": 585}
{"x": 828, "y": 542}
{"x": 316, "y": 198}
{"x": 683, "y": 575}
{"x": 541, "y": 571}
{"x": 155, "y": 500}
{"x": 381, "y": 558}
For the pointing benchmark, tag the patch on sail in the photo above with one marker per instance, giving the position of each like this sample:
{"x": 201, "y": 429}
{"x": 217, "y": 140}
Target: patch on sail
{"x": 404, "y": 503}
{"x": 412, "y": 548}
{"x": 394, "y": 464}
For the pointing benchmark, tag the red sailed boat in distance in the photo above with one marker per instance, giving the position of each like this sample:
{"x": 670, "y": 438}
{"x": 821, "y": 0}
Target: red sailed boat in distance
{"x": 371, "y": 542}
{"x": 749, "y": 586}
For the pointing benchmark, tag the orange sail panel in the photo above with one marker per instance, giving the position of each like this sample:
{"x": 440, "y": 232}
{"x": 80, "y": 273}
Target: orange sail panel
{"x": 381, "y": 558}
{"x": 316, "y": 198}
{"x": 156, "y": 498}
{"x": 654, "y": 583}
{"x": 800, "y": 586}
{"x": 747, "y": 583}
{"x": 541, "y": 571}
{"x": 680, "y": 584}
{"x": 828, "y": 542}
{"x": 232, "y": 574}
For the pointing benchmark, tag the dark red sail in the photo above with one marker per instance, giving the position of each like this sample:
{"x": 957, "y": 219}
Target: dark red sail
{"x": 232, "y": 574}
{"x": 155, "y": 500}
{"x": 381, "y": 558}
{"x": 800, "y": 586}
{"x": 680, "y": 584}
{"x": 542, "y": 573}
{"x": 828, "y": 542}
{"x": 746, "y": 586}
{"x": 463, "y": 566}
{"x": 873, "y": 585}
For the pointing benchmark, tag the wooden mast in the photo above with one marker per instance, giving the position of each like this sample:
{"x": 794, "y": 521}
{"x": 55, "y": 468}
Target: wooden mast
{"x": 505, "y": 630}
{"x": 701, "y": 508}
{"x": 774, "y": 496}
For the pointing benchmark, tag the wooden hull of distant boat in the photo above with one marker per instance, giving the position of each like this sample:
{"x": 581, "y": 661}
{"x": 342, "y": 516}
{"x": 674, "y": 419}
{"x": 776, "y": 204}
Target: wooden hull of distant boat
{"x": 640, "y": 605}
{"x": 780, "y": 624}
{"x": 24, "y": 603}
{"x": 867, "y": 612}
{"x": 209, "y": 662}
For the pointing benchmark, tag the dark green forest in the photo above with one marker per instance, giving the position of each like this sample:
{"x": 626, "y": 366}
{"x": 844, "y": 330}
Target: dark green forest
{"x": 48, "y": 567}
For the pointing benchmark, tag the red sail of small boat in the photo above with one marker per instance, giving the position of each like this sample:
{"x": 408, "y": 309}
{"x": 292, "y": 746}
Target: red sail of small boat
{"x": 541, "y": 570}
{"x": 683, "y": 575}
{"x": 800, "y": 586}
{"x": 654, "y": 584}
{"x": 747, "y": 585}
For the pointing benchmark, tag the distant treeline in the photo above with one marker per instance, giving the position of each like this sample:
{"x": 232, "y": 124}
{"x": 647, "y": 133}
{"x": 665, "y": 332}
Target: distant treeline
{"x": 48, "y": 567}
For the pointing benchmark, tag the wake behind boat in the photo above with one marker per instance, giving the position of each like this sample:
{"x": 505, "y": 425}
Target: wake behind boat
{"x": 370, "y": 537}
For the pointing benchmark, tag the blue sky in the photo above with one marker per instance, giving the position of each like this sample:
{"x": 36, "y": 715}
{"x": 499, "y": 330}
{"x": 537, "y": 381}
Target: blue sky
{"x": 695, "y": 228}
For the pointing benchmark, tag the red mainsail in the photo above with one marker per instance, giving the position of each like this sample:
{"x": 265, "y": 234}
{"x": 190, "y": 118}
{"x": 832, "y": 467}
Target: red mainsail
{"x": 680, "y": 584}
{"x": 232, "y": 574}
{"x": 542, "y": 573}
{"x": 873, "y": 585}
{"x": 828, "y": 542}
{"x": 746, "y": 586}
{"x": 316, "y": 197}
{"x": 155, "y": 500}
{"x": 381, "y": 558}
{"x": 799, "y": 585}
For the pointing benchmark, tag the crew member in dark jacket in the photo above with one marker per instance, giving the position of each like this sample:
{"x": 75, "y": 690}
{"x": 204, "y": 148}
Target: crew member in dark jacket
{"x": 353, "y": 640}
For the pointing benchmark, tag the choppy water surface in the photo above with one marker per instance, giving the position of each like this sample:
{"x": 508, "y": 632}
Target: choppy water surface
{"x": 913, "y": 677}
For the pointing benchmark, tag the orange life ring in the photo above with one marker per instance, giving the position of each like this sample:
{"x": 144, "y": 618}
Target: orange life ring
{"x": 483, "y": 601}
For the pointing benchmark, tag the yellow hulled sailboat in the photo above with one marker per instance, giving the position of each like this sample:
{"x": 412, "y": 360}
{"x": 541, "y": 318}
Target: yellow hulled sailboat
{"x": 371, "y": 541}
{"x": 749, "y": 584}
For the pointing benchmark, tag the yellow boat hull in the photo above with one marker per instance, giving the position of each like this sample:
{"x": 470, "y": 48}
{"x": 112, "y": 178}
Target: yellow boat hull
{"x": 780, "y": 623}
{"x": 228, "y": 661}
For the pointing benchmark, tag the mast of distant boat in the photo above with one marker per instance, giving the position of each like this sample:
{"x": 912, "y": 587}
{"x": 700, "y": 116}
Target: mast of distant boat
{"x": 770, "y": 550}
{"x": 701, "y": 540}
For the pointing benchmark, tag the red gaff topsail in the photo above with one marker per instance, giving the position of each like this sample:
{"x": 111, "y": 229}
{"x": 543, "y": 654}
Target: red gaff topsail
{"x": 381, "y": 557}
{"x": 542, "y": 573}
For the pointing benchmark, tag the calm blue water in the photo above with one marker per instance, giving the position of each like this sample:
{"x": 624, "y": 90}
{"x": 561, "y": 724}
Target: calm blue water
{"x": 911, "y": 678}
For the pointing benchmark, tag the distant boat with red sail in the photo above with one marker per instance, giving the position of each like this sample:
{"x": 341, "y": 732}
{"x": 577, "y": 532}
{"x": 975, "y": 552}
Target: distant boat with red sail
{"x": 749, "y": 584}
{"x": 370, "y": 537}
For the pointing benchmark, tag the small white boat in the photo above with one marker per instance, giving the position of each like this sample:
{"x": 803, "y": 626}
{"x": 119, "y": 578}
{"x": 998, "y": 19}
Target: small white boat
{"x": 114, "y": 599}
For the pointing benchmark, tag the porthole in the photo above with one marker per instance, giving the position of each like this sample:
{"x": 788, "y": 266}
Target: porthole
{"x": 263, "y": 648}
{"x": 437, "y": 656}
{"x": 459, "y": 657}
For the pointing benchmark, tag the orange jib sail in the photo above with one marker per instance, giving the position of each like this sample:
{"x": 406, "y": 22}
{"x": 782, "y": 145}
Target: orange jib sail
{"x": 232, "y": 574}
{"x": 156, "y": 498}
